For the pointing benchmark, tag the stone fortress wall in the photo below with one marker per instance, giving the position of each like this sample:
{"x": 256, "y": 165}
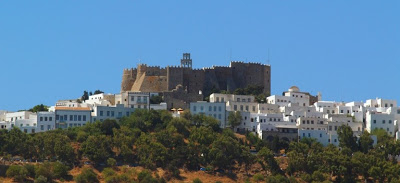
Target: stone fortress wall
{"x": 156, "y": 79}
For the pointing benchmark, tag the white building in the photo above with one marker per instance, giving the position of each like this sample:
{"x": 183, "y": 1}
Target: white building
{"x": 72, "y": 116}
{"x": 135, "y": 100}
{"x": 378, "y": 102}
{"x": 46, "y": 121}
{"x": 14, "y": 116}
{"x": 216, "y": 110}
{"x": 100, "y": 113}
{"x": 101, "y": 99}
{"x": 219, "y": 97}
{"x": 381, "y": 120}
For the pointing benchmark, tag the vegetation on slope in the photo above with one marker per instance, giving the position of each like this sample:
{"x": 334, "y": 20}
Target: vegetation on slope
{"x": 155, "y": 140}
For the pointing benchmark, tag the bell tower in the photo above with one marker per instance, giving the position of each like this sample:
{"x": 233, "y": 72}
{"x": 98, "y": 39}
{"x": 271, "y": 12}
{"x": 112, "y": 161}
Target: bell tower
{"x": 186, "y": 61}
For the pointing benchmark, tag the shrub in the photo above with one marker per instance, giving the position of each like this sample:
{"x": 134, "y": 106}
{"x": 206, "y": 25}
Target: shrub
{"x": 60, "y": 170}
{"x": 31, "y": 170}
{"x": 41, "y": 179}
{"x": 19, "y": 173}
{"x": 197, "y": 180}
{"x": 87, "y": 176}
{"x": 111, "y": 162}
{"x": 44, "y": 170}
{"x": 108, "y": 172}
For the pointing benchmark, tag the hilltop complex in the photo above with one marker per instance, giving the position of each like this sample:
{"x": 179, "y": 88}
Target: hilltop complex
{"x": 291, "y": 116}
{"x": 194, "y": 83}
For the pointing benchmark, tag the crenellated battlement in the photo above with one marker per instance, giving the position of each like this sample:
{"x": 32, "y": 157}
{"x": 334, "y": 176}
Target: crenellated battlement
{"x": 237, "y": 74}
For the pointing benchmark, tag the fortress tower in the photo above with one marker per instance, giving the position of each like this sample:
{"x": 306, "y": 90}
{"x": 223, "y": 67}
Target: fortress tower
{"x": 186, "y": 62}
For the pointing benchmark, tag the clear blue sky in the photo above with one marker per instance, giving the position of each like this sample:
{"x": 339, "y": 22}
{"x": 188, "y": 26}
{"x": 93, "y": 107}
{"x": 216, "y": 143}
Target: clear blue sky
{"x": 50, "y": 50}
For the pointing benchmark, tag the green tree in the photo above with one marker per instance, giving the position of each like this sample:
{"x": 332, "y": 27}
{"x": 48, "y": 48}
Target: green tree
{"x": 19, "y": 173}
{"x": 346, "y": 138}
{"x": 41, "y": 179}
{"x": 111, "y": 162}
{"x": 225, "y": 152}
{"x": 85, "y": 96}
{"x": 60, "y": 170}
{"x": 156, "y": 99}
{"x": 97, "y": 148}
{"x": 97, "y": 92}
{"x": 258, "y": 177}
{"x": 267, "y": 156}
{"x": 234, "y": 119}
{"x": 87, "y": 176}
{"x": 108, "y": 125}
{"x": 39, "y": 108}
{"x": 365, "y": 142}
{"x": 45, "y": 170}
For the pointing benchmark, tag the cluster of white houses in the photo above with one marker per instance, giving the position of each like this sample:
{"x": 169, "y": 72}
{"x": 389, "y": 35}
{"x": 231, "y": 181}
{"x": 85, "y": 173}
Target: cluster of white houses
{"x": 292, "y": 116}
{"x": 73, "y": 113}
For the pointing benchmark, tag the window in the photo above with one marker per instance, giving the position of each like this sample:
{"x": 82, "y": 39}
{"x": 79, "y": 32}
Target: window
{"x": 209, "y": 108}
{"x": 50, "y": 118}
{"x": 387, "y": 129}
{"x": 101, "y": 113}
{"x": 219, "y": 116}
{"x": 79, "y": 118}
{"x": 320, "y": 135}
{"x": 304, "y": 122}
{"x": 374, "y": 121}
{"x": 215, "y": 108}
{"x": 330, "y": 128}
{"x": 201, "y": 108}
{"x": 127, "y": 113}
{"x": 42, "y": 127}
{"x": 219, "y": 108}
{"x": 312, "y": 121}
{"x": 341, "y": 111}
{"x": 390, "y": 121}
{"x": 235, "y": 107}
{"x": 84, "y": 117}
{"x": 247, "y": 108}
{"x": 217, "y": 99}
{"x": 41, "y": 119}
{"x": 75, "y": 117}
{"x": 383, "y": 121}
{"x": 238, "y": 99}
{"x": 112, "y": 113}
{"x": 71, "y": 117}
{"x": 108, "y": 113}
{"x": 335, "y": 140}
{"x": 222, "y": 99}
{"x": 241, "y": 107}
{"x": 194, "y": 108}
{"x": 65, "y": 117}
{"x": 335, "y": 128}
{"x": 45, "y": 118}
